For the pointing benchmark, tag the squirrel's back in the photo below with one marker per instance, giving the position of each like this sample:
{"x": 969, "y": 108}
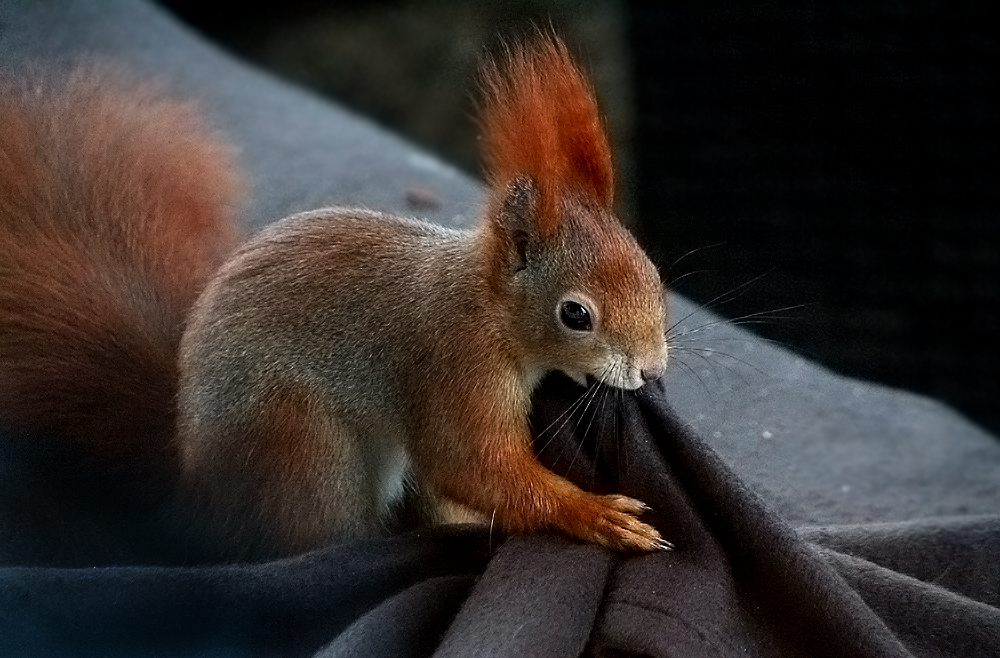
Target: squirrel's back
{"x": 117, "y": 206}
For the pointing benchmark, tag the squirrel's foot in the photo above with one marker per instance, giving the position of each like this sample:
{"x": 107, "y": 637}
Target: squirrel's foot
{"x": 613, "y": 522}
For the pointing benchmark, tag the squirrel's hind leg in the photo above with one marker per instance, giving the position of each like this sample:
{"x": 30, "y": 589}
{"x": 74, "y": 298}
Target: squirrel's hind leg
{"x": 296, "y": 478}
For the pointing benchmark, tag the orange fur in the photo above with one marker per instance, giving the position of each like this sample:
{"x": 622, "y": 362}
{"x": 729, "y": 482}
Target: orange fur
{"x": 378, "y": 347}
{"x": 540, "y": 120}
{"x": 117, "y": 206}
{"x": 337, "y": 353}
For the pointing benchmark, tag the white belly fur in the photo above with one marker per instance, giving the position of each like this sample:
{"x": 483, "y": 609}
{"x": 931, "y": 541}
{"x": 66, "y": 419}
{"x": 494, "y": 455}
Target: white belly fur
{"x": 393, "y": 477}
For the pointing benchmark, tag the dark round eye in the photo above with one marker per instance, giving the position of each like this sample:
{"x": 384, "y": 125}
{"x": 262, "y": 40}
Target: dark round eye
{"x": 575, "y": 316}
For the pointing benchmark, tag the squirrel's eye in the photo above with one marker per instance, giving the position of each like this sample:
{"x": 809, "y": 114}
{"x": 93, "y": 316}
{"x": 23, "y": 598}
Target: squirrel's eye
{"x": 575, "y": 316}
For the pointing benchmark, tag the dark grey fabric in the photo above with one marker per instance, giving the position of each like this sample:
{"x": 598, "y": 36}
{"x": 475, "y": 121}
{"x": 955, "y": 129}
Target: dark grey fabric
{"x": 741, "y": 581}
{"x": 895, "y": 497}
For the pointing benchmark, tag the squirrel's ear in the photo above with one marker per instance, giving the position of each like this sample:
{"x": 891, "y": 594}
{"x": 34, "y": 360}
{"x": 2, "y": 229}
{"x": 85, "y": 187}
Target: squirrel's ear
{"x": 516, "y": 222}
{"x": 539, "y": 120}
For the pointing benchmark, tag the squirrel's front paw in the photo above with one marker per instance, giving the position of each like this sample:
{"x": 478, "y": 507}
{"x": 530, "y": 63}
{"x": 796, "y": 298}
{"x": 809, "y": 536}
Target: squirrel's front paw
{"x": 614, "y": 524}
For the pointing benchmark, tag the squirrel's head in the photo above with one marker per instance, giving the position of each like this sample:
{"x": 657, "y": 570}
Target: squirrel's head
{"x": 585, "y": 298}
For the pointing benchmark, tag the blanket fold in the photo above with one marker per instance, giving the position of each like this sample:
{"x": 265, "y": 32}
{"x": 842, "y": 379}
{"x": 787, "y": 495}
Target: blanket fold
{"x": 740, "y": 581}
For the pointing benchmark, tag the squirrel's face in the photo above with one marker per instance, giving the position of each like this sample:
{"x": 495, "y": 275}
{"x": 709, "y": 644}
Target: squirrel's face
{"x": 592, "y": 304}
{"x": 591, "y": 346}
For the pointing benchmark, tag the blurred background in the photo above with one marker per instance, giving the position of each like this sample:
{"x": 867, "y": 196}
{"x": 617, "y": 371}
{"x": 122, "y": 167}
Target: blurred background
{"x": 825, "y": 173}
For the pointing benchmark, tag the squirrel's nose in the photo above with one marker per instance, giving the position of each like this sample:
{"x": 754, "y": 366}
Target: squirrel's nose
{"x": 650, "y": 373}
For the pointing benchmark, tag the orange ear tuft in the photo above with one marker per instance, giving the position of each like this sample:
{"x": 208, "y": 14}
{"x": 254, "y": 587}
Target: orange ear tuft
{"x": 540, "y": 120}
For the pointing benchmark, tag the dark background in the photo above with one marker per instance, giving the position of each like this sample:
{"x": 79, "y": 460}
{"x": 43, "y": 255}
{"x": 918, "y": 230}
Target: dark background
{"x": 836, "y": 158}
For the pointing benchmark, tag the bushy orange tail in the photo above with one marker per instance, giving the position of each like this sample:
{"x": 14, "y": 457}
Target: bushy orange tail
{"x": 116, "y": 205}
{"x": 540, "y": 120}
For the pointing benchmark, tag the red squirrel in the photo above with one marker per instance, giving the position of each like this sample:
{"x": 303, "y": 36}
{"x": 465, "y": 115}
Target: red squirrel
{"x": 340, "y": 357}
